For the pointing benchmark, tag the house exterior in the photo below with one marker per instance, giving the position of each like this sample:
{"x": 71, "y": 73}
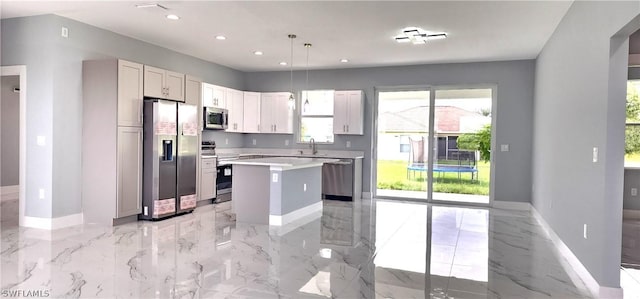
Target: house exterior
{"x": 397, "y": 128}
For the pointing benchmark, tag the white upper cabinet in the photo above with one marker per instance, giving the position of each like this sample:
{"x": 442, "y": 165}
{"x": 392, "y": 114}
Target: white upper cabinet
{"x": 251, "y": 119}
{"x": 235, "y": 105}
{"x": 275, "y": 115}
{"x": 193, "y": 95}
{"x": 348, "y": 112}
{"x": 193, "y": 91}
{"x": 163, "y": 84}
{"x": 174, "y": 83}
{"x": 130, "y": 93}
{"x": 213, "y": 96}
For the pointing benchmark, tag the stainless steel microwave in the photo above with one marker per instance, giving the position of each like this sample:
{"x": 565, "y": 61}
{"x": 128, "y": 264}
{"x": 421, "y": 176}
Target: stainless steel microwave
{"x": 215, "y": 118}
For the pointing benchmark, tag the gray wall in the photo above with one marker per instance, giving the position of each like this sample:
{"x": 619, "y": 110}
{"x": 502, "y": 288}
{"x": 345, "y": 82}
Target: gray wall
{"x": 513, "y": 113}
{"x": 580, "y": 104}
{"x": 224, "y": 139}
{"x": 54, "y": 80}
{"x": 10, "y": 107}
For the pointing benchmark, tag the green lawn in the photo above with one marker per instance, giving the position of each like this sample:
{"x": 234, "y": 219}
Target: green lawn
{"x": 635, "y": 157}
{"x": 393, "y": 175}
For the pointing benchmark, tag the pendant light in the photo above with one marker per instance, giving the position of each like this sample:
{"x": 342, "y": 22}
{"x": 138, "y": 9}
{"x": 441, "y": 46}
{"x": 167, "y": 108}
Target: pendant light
{"x": 306, "y": 101}
{"x": 292, "y": 100}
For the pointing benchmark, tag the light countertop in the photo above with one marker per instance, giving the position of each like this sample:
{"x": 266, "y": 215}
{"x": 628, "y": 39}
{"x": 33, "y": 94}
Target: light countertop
{"x": 292, "y": 152}
{"x": 283, "y": 163}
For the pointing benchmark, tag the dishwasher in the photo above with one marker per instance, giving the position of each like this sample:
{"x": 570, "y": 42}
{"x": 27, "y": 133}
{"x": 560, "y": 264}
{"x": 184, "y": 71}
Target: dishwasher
{"x": 337, "y": 180}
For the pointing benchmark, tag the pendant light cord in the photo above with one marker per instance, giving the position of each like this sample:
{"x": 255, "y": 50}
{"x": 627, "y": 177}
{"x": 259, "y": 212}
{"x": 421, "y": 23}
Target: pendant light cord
{"x": 291, "y": 37}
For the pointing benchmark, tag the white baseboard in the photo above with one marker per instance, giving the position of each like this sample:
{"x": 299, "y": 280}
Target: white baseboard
{"x": 278, "y": 220}
{"x": 4, "y": 190}
{"x": 366, "y": 195}
{"x": 631, "y": 214}
{"x": 572, "y": 263}
{"x": 511, "y": 205}
{"x": 53, "y": 223}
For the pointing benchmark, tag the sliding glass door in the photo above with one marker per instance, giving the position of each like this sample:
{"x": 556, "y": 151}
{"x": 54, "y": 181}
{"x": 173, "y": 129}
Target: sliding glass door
{"x": 403, "y": 132}
{"x": 434, "y": 144}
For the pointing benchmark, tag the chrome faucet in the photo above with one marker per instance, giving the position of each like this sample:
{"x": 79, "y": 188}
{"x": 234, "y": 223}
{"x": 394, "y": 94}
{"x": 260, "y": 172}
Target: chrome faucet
{"x": 312, "y": 145}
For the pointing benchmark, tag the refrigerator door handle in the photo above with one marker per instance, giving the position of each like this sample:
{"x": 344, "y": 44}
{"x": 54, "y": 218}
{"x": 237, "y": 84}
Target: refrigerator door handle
{"x": 167, "y": 150}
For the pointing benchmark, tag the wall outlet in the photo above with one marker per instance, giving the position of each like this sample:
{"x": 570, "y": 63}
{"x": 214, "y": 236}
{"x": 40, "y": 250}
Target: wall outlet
{"x": 634, "y": 191}
{"x": 348, "y": 143}
{"x": 254, "y": 142}
{"x": 584, "y": 234}
{"x": 595, "y": 154}
{"x": 41, "y": 193}
{"x": 41, "y": 140}
{"x": 274, "y": 177}
{"x": 286, "y": 142}
{"x": 304, "y": 187}
{"x": 504, "y": 147}
{"x": 226, "y": 141}
{"x": 64, "y": 32}
{"x": 146, "y": 211}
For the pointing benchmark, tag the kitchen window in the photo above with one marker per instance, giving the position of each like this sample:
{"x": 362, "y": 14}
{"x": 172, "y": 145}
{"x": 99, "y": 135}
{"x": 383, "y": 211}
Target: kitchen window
{"x": 316, "y": 116}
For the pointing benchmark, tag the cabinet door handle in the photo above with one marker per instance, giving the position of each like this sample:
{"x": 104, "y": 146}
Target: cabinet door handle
{"x": 275, "y": 128}
{"x": 347, "y": 128}
{"x": 258, "y": 127}
{"x": 344, "y": 128}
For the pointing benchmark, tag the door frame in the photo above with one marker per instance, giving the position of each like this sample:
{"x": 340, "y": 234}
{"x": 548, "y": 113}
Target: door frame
{"x": 432, "y": 97}
{"x": 20, "y": 70}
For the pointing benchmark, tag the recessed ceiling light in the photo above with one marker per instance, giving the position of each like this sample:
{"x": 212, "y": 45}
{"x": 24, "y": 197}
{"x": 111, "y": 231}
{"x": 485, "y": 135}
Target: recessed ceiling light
{"x": 283, "y": 63}
{"x": 173, "y": 17}
{"x": 344, "y": 60}
{"x": 418, "y": 36}
{"x": 258, "y": 53}
{"x": 221, "y": 37}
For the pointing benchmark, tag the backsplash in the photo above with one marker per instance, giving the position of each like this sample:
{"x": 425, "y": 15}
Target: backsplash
{"x": 223, "y": 139}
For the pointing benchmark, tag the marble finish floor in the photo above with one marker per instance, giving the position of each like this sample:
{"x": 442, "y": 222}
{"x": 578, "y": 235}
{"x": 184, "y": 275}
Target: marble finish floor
{"x": 379, "y": 249}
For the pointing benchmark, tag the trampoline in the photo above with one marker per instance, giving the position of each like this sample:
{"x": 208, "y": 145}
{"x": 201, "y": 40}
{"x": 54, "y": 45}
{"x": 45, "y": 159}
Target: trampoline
{"x": 460, "y": 162}
{"x": 443, "y": 168}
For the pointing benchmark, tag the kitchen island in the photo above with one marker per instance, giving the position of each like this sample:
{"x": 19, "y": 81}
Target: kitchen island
{"x": 277, "y": 190}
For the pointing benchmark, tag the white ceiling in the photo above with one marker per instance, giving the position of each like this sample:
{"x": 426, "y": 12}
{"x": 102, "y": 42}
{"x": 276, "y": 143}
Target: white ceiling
{"x": 361, "y": 31}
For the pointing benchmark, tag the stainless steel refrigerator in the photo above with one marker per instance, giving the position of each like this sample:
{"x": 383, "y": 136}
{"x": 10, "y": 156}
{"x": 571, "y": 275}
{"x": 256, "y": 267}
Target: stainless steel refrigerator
{"x": 169, "y": 159}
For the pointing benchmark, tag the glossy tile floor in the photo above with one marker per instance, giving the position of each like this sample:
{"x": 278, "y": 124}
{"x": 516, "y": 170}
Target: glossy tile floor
{"x": 383, "y": 249}
{"x": 630, "y": 273}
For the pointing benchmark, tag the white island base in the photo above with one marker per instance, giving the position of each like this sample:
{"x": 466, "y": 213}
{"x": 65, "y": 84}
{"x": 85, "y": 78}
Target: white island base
{"x": 277, "y": 191}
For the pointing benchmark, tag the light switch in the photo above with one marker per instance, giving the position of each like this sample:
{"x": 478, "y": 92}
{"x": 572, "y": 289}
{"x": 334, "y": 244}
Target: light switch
{"x": 595, "y": 154}
{"x": 286, "y": 142}
{"x": 504, "y": 147}
{"x": 41, "y": 193}
{"x": 41, "y": 140}
{"x": 64, "y": 32}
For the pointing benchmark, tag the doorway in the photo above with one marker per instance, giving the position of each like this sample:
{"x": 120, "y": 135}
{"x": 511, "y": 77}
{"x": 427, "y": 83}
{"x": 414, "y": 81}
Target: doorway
{"x": 455, "y": 122}
{"x": 12, "y": 146}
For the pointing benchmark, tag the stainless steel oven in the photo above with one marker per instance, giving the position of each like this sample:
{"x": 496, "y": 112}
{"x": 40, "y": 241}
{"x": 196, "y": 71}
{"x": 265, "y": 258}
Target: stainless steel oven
{"x": 215, "y": 118}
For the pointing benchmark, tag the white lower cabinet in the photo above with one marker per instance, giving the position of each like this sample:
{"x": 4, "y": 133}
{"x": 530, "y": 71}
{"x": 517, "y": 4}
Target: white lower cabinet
{"x": 208, "y": 177}
{"x": 129, "y": 176}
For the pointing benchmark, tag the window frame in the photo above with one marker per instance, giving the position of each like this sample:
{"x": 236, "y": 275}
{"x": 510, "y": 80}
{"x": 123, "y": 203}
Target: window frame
{"x": 300, "y": 117}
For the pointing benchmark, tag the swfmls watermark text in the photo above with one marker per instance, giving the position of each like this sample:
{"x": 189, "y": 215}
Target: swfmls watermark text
{"x": 20, "y": 293}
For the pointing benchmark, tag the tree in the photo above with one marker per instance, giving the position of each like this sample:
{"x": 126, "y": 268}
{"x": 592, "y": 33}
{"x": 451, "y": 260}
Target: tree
{"x": 633, "y": 103}
{"x": 478, "y": 141}
{"x": 632, "y": 132}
